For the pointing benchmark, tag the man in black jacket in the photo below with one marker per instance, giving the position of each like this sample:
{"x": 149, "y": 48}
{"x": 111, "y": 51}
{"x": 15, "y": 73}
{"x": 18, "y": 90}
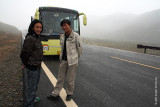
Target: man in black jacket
{"x": 31, "y": 56}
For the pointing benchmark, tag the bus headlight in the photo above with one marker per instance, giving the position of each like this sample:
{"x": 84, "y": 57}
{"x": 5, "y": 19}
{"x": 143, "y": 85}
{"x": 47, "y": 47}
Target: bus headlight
{"x": 58, "y": 52}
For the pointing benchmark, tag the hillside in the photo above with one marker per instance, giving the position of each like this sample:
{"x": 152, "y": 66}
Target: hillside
{"x": 8, "y": 28}
{"x": 11, "y": 86}
{"x": 144, "y": 28}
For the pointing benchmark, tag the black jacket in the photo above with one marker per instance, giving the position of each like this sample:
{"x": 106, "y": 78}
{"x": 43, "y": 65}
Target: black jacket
{"x": 32, "y": 52}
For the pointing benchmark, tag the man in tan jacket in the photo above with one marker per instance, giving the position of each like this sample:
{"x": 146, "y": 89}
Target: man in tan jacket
{"x": 71, "y": 50}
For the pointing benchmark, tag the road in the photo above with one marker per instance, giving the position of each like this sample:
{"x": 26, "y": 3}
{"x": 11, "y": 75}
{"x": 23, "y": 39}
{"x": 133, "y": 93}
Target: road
{"x": 108, "y": 77}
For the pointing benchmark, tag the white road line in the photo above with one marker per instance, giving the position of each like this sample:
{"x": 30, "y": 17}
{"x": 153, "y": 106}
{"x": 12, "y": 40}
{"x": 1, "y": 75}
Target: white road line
{"x": 63, "y": 92}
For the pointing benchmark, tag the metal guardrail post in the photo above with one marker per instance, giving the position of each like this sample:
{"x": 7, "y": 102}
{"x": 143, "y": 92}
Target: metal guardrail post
{"x": 145, "y": 50}
{"x": 147, "y": 47}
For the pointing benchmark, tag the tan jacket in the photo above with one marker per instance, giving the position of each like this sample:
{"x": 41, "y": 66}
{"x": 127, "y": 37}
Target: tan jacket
{"x": 73, "y": 47}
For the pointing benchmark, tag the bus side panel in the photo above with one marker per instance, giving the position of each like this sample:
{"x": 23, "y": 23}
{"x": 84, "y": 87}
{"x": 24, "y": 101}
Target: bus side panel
{"x": 53, "y": 47}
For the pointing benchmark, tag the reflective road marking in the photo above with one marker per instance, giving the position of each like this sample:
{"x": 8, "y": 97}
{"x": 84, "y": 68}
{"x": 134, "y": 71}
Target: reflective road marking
{"x": 135, "y": 63}
{"x": 63, "y": 92}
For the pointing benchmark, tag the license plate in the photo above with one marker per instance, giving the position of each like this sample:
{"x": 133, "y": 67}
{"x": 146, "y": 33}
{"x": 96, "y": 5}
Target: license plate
{"x": 45, "y": 48}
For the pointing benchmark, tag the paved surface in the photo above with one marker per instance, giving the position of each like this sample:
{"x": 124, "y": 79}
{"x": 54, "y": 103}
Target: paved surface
{"x": 108, "y": 77}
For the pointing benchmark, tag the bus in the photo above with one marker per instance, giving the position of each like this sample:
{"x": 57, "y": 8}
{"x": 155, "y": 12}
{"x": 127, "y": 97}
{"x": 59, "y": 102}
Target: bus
{"x": 51, "y": 18}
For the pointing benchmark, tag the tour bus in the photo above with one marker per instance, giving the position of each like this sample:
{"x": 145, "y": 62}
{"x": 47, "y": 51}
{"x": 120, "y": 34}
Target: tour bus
{"x": 51, "y": 18}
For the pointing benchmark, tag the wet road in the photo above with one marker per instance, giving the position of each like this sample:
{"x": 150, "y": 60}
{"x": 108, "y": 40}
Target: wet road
{"x": 108, "y": 77}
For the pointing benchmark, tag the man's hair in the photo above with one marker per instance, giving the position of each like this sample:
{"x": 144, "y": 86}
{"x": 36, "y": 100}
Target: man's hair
{"x": 65, "y": 21}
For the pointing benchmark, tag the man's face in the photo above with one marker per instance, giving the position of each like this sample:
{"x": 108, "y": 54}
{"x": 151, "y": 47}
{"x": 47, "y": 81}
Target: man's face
{"x": 66, "y": 27}
{"x": 37, "y": 28}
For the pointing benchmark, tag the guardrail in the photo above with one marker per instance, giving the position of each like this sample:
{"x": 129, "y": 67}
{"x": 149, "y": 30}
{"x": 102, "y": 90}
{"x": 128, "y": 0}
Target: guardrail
{"x": 147, "y": 47}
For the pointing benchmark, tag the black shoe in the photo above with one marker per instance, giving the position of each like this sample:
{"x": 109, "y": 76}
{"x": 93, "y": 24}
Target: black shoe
{"x": 69, "y": 97}
{"x": 53, "y": 97}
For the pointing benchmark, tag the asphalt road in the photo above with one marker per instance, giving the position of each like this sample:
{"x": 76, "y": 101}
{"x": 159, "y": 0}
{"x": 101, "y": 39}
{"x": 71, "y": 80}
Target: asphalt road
{"x": 108, "y": 77}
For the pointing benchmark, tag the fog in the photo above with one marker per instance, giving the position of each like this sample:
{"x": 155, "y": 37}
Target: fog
{"x": 131, "y": 20}
{"x": 126, "y": 27}
{"x": 19, "y": 12}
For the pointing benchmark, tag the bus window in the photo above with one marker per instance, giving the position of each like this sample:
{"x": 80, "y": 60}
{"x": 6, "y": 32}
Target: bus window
{"x": 76, "y": 25}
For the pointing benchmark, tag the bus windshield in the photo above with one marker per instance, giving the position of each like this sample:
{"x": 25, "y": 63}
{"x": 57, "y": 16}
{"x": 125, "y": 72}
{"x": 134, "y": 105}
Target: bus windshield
{"x": 51, "y": 22}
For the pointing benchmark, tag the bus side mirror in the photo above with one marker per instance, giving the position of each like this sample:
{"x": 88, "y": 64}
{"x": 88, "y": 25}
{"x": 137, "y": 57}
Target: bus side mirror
{"x": 37, "y": 14}
{"x": 84, "y": 20}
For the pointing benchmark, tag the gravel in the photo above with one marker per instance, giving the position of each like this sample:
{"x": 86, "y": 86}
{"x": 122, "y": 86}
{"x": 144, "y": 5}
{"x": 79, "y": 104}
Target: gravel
{"x": 11, "y": 84}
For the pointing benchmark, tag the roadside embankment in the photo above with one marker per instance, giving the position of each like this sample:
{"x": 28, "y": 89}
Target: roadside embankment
{"x": 11, "y": 85}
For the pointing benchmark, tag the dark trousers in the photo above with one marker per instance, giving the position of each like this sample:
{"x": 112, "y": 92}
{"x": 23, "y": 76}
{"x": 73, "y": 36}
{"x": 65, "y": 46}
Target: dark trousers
{"x": 31, "y": 80}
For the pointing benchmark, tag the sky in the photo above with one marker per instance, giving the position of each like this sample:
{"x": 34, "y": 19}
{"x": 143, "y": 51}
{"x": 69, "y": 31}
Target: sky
{"x": 18, "y": 12}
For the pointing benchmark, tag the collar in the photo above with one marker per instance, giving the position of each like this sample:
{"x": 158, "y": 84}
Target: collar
{"x": 71, "y": 34}
{"x": 35, "y": 35}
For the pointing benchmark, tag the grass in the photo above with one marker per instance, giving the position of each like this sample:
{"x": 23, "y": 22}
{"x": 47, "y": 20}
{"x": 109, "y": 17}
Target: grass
{"x": 123, "y": 45}
{"x": 11, "y": 75}
{"x": 8, "y": 43}
{"x": 1, "y": 33}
